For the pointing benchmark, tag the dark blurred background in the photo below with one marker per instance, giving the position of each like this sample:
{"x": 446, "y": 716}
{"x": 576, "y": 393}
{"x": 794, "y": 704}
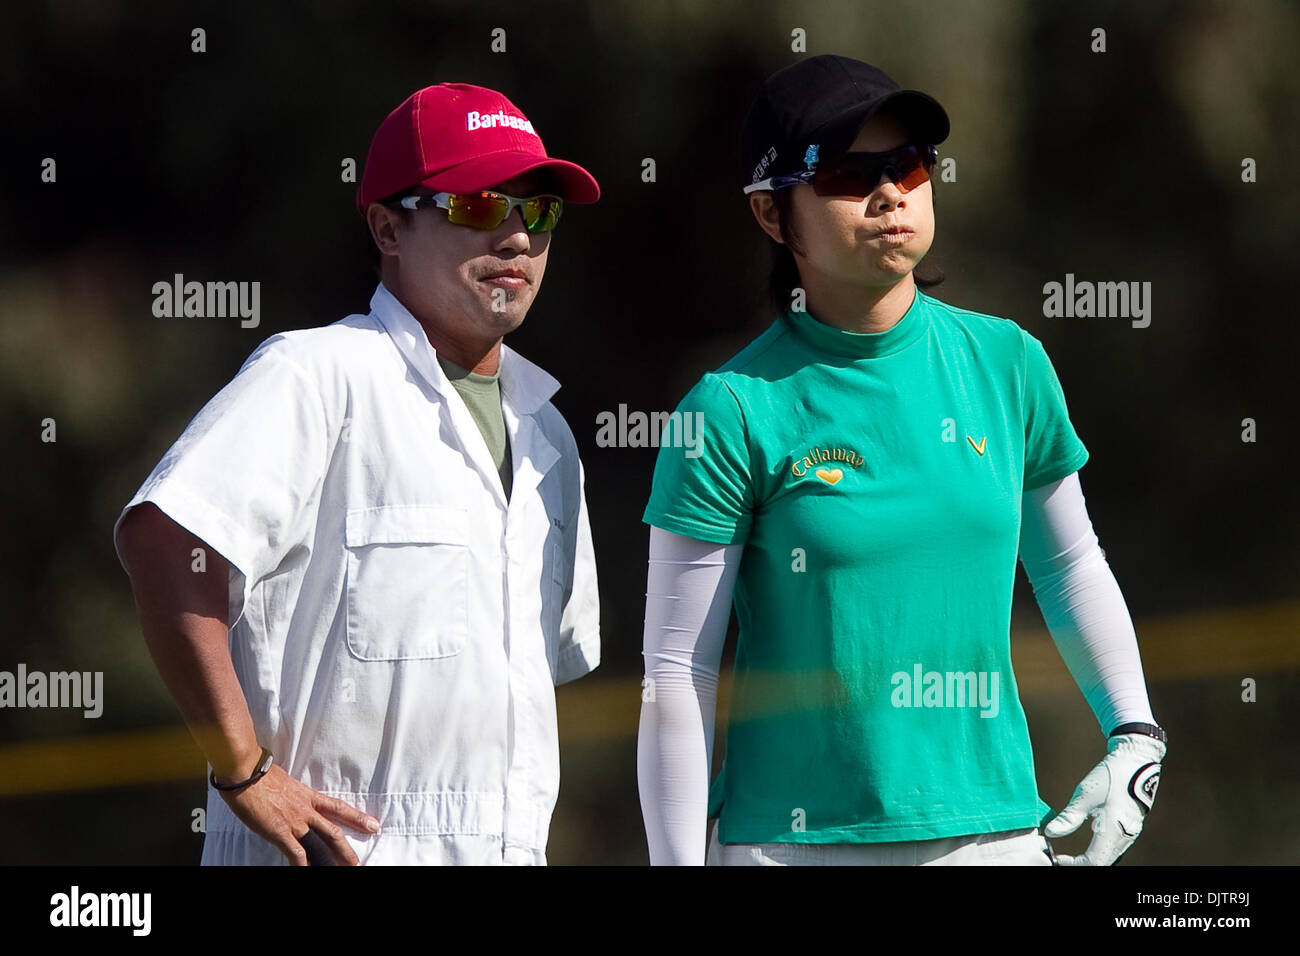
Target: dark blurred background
{"x": 1115, "y": 166}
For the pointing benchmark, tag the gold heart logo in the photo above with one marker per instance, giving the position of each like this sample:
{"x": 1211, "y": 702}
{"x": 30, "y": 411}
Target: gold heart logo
{"x": 830, "y": 477}
{"x": 980, "y": 447}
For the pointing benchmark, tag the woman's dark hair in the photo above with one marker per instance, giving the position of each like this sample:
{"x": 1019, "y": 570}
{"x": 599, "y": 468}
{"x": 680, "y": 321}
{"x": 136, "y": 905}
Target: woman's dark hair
{"x": 783, "y": 278}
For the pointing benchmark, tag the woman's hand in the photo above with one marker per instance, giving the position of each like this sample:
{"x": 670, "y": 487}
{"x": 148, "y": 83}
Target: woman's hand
{"x": 1116, "y": 794}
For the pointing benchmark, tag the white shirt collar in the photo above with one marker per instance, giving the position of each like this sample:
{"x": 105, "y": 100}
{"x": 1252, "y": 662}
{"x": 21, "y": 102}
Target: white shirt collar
{"x": 524, "y": 385}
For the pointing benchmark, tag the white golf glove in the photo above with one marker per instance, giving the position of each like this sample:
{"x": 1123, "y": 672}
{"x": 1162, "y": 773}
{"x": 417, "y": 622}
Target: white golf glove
{"x": 1116, "y": 794}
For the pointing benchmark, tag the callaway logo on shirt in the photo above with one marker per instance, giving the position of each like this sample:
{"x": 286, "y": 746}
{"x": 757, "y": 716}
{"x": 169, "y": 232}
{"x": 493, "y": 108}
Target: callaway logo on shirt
{"x": 800, "y": 467}
{"x": 816, "y": 456}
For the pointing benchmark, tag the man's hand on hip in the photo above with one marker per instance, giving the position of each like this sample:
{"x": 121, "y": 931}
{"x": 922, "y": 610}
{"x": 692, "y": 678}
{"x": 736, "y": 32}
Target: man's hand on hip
{"x": 282, "y": 810}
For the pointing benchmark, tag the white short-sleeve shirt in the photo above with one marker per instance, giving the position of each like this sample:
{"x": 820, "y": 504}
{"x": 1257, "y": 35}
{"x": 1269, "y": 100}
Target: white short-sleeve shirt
{"x": 397, "y": 627}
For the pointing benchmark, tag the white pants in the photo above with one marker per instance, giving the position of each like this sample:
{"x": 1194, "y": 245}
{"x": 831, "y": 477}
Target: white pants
{"x": 1007, "y": 848}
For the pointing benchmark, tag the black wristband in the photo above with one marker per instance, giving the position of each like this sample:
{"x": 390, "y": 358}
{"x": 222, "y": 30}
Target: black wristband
{"x": 263, "y": 765}
{"x": 1150, "y": 730}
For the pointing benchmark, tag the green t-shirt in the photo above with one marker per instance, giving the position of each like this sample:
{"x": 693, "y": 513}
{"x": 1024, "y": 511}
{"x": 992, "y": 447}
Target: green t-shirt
{"x": 875, "y": 481}
{"x": 482, "y": 396}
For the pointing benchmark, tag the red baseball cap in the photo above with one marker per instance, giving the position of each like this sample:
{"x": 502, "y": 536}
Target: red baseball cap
{"x": 455, "y": 137}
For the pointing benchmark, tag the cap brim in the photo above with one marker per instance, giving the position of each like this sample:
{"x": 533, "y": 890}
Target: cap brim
{"x": 576, "y": 185}
{"x": 925, "y": 119}
{"x": 920, "y": 113}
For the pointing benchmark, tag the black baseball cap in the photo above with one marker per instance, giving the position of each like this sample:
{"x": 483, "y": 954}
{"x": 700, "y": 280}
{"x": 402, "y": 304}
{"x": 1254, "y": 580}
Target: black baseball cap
{"x": 823, "y": 101}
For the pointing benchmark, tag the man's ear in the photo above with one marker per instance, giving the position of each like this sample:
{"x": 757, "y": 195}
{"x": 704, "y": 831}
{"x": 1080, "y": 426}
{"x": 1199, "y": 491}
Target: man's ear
{"x": 383, "y": 223}
{"x": 764, "y": 210}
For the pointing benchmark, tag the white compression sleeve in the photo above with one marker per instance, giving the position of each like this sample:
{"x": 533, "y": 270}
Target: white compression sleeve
{"x": 688, "y": 604}
{"x": 1082, "y": 603}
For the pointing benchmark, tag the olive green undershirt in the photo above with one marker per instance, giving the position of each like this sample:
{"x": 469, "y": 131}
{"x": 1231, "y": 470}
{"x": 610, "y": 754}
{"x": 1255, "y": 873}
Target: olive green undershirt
{"x": 482, "y": 396}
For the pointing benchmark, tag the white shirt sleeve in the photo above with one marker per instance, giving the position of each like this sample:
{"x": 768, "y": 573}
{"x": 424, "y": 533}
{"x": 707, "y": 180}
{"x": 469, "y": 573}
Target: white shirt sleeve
{"x": 246, "y": 474}
{"x": 688, "y": 604}
{"x": 578, "y": 648}
{"x": 1082, "y": 603}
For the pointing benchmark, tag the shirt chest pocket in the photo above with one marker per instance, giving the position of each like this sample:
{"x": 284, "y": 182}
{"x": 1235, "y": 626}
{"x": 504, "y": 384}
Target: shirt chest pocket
{"x": 407, "y": 588}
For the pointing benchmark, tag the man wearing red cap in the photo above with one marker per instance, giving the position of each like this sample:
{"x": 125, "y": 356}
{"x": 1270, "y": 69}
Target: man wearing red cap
{"x": 366, "y": 563}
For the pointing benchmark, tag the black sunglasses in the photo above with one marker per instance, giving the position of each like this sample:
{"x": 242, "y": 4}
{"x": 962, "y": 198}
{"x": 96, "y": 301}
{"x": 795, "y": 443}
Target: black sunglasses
{"x": 857, "y": 174}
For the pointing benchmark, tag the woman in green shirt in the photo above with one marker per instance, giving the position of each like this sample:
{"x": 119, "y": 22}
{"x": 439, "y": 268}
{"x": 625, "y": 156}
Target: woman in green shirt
{"x": 866, "y": 474}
